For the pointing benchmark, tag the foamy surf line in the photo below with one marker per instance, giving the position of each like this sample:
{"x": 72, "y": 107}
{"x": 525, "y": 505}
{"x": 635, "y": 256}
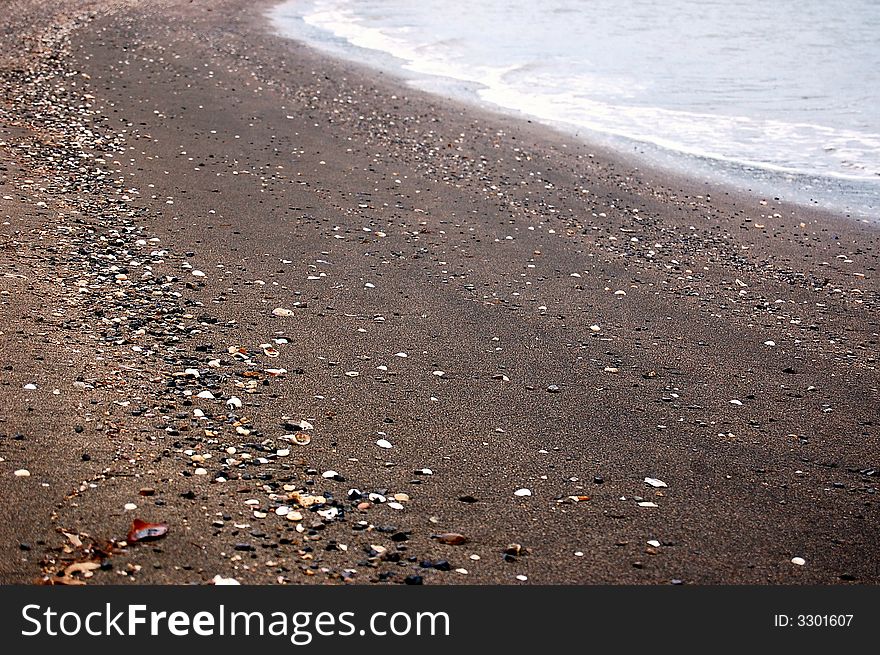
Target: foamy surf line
{"x": 810, "y": 163}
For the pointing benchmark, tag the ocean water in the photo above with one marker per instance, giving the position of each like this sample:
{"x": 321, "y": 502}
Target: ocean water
{"x": 778, "y": 96}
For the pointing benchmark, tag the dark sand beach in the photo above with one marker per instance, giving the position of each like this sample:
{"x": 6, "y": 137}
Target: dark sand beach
{"x": 213, "y": 238}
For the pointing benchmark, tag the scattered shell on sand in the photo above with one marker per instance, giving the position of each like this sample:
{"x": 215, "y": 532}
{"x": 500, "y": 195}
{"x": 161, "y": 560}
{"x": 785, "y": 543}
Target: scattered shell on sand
{"x": 522, "y": 492}
{"x": 299, "y": 438}
{"x": 654, "y": 482}
{"x": 384, "y": 443}
{"x": 220, "y": 580}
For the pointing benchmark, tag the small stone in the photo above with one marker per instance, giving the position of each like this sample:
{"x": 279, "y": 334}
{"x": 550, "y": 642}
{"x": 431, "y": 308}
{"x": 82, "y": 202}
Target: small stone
{"x": 451, "y": 538}
{"x": 22, "y": 473}
{"x": 384, "y": 443}
{"x": 130, "y": 506}
{"x": 522, "y": 492}
{"x": 30, "y": 386}
{"x": 553, "y": 388}
{"x": 234, "y": 402}
{"x": 654, "y": 482}
{"x": 798, "y": 561}
{"x": 205, "y": 394}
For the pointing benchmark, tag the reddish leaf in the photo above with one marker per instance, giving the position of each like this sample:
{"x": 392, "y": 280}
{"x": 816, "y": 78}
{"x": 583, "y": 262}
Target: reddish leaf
{"x": 143, "y": 531}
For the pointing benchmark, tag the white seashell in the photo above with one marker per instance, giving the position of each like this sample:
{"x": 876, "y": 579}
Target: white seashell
{"x": 220, "y": 580}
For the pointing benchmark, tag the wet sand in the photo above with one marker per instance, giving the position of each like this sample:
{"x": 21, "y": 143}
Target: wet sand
{"x": 172, "y": 173}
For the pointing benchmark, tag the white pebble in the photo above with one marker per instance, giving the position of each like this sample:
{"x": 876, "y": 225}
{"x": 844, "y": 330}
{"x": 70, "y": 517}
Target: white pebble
{"x": 22, "y": 473}
{"x": 798, "y": 561}
{"x": 384, "y": 443}
{"x": 522, "y": 492}
{"x": 220, "y": 580}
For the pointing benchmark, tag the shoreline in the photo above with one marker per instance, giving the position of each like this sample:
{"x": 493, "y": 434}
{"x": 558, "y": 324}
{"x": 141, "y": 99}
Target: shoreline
{"x": 572, "y": 324}
{"x": 843, "y": 195}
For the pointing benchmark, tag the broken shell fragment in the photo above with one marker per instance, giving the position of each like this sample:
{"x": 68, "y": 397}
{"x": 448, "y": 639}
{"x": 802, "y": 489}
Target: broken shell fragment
{"x": 299, "y": 438}
{"x": 220, "y": 580}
